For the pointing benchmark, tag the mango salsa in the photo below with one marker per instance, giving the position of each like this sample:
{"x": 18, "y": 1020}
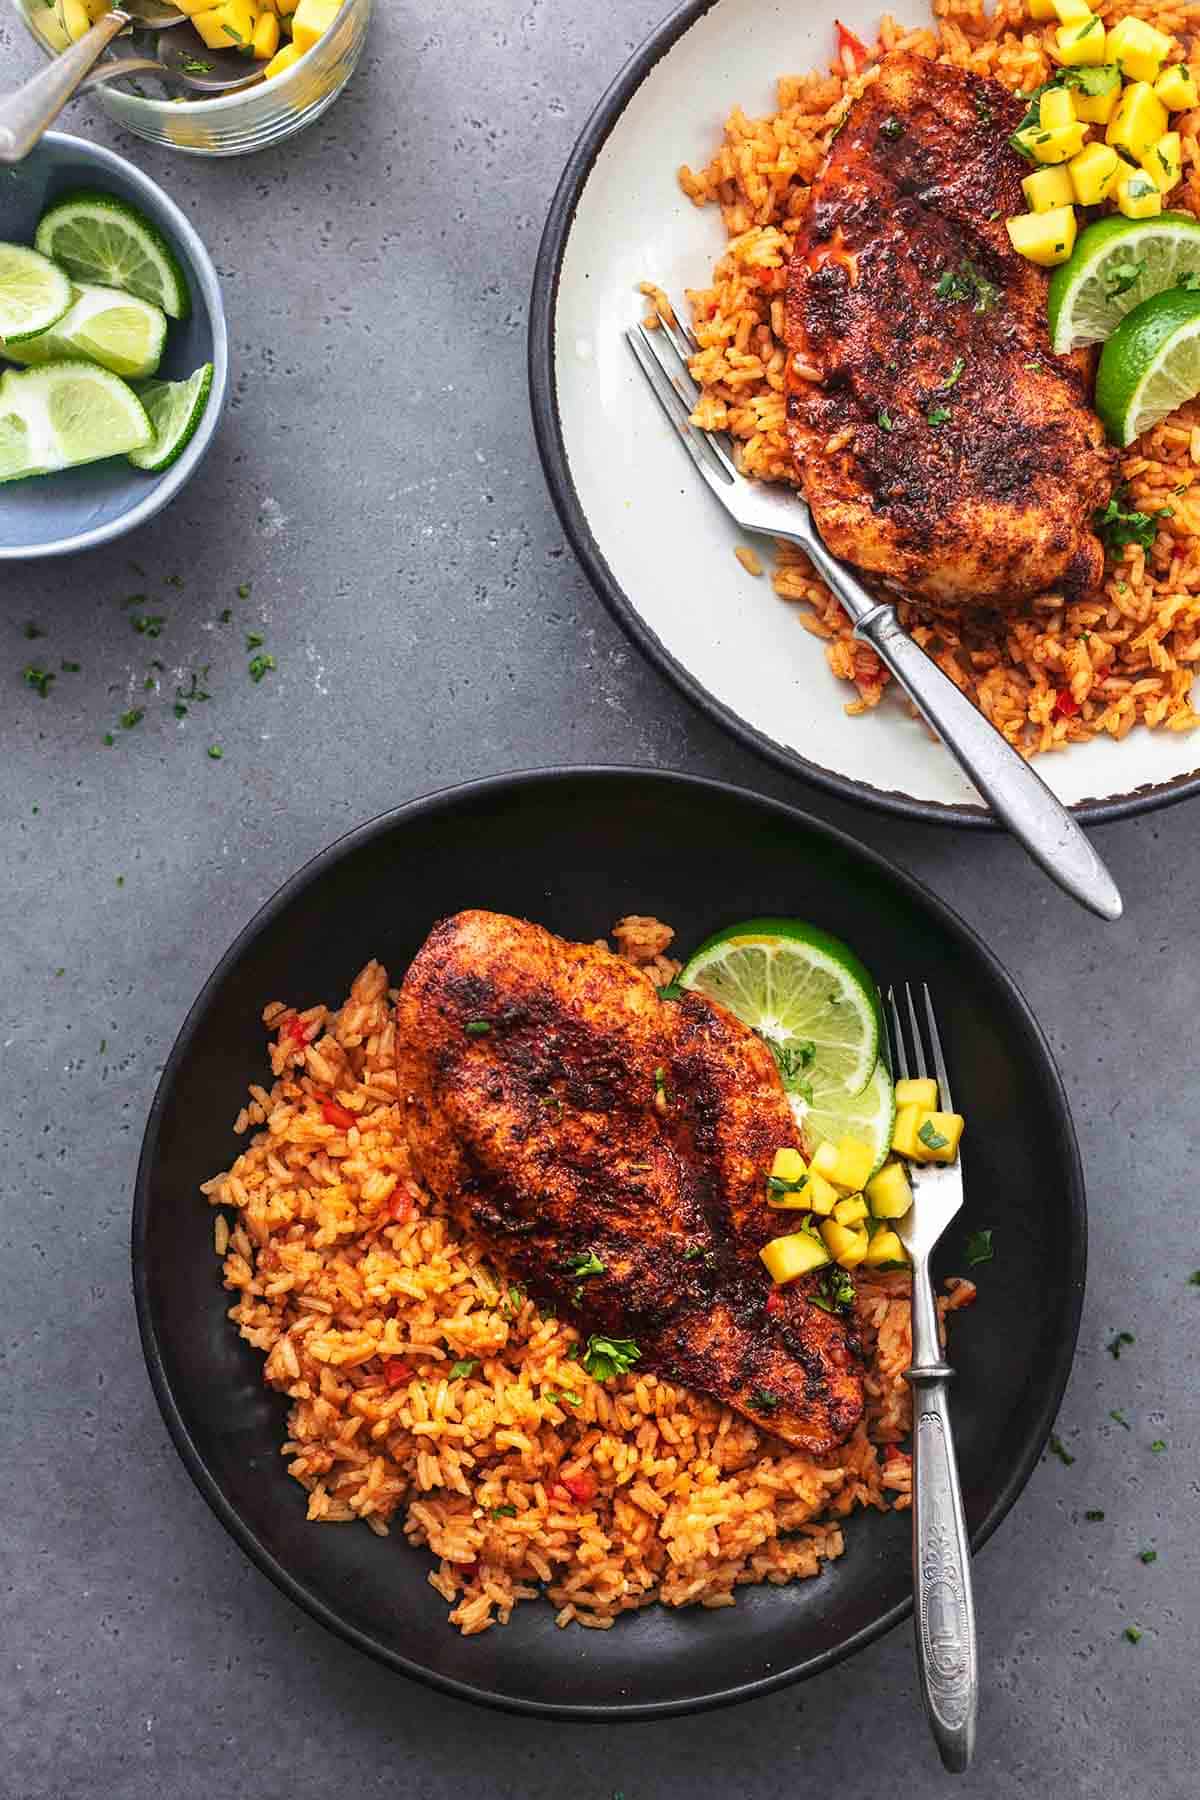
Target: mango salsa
{"x": 923, "y": 1091}
{"x": 1094, "y": 173}
{"x": 1176, "y": 88}
{"x": 1137, "y": 196}
{"x": 888, "y": 1194}
{"x": 788, "y": 1257}
{"x": 1081, "y": 46}
{"x": 1139, "y": 48}
{"x": 1072, "y": 12}
{"x": 1056, "y": 107}
{"x": 311, "y": 19}
{"x": 1057, "y": 145}
{"x": 884, "y": 1247}
{"x": 1164, "y": 164}
{"x": 1046, "y": 238}
{"x": 846, "y": 1245}
{"x": 1139, "y": 121}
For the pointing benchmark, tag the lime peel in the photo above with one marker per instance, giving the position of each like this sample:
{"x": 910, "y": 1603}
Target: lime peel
{"x": 1150, "y": 364}
{"x": 1086, "y": 299}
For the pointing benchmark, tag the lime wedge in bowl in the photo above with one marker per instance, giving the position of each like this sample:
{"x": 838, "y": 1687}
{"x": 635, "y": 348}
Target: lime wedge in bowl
{"x": 831, "y": 1113}
{"x": 118, "y": 331}
{"x": 1150, "y": 364}
{"x": 34, "y": 294}
{"x": 175, "y": 410}
{"x": 98, "y": 238}
{"x": 803, "y": 991}
{"x": 65, "y": 414}
{"x": 1115, "y": 265}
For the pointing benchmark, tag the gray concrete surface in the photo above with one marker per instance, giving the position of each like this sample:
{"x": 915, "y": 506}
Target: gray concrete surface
{"x": 377, "y": 484}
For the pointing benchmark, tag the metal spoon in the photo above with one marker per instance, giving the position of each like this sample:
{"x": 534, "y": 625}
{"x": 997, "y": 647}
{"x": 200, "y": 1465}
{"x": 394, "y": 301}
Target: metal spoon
{"x": 188, "y": 64}
{"x": 25, "y": 115}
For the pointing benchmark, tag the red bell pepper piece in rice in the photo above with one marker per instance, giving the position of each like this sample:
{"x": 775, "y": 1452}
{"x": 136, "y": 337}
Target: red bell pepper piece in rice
{"x": 396, "y": 1370}
{"x": 341, "y": 1116}
{"x": 581, "y": 1487}
{"x": 1065, "y": 704}
{"x": 847, "y": 41}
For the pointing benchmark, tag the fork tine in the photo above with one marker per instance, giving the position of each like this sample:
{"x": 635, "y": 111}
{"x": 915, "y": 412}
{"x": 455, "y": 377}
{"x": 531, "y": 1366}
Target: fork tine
{"x": 899, "y": 1058}
{"x": 939, "y": 1061}
{"x": 918, "y": 1041}
{"x": 696, "y": 442}
{"x": 673, "y": 363}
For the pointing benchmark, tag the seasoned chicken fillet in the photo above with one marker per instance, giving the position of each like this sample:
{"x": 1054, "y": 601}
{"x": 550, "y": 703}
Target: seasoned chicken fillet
{"x": 939, "y": 443}
{"x": 561, "y": 1108}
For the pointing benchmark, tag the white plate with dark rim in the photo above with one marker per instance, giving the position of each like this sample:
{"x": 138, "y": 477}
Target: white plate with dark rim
{"x": 657, "y": 547}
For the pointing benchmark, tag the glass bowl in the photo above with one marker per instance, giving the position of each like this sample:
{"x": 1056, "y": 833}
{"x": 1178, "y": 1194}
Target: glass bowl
{"x": 238, "y": 123}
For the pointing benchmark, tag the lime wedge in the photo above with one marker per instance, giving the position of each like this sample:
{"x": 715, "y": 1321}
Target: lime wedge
{"x": 118, "y": 331}
{"x": 802, "y": 990}
{"x": 1150, "y": 364}
{"x": 832, "y": 1113}
{"x": 1116, "y": 264}
{"x": 33, "y": 294}
{"x": 96, "y": 237}
{"x": 175, "y": 408}
{"x": 64, "y": 414}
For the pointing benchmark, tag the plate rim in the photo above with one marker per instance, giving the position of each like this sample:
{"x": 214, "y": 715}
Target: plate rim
{"x": 244, "y": 1536}
{"x": 556, "y": 467}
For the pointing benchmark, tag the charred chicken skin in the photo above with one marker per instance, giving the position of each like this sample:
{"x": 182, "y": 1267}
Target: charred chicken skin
{"x": 938, "y": 441}
{"x": 570, "y": 1116}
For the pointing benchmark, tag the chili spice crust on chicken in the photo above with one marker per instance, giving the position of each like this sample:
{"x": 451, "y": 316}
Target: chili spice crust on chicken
{"x": 570, "y": 1117}
{"x": 940, "y": 444}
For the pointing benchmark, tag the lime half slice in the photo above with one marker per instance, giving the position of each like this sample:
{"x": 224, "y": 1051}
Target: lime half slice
{"x": 33, "y": 294}
{"x": 832, "y": 1114}
{"x": 64, "y": 414}
{"x": 1116, "y": 264}
{"x": 1150, "y": 364}
{"x": 175, "y": 409}
{"x": 96, "y": 237}
{"x": 118, "y": 331}
{"x": 802, "y": 990}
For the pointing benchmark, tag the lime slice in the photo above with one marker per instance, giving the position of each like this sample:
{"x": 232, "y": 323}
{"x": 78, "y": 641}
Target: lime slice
{"x": 1116, "y": 264}
{"x": 118, "y": 331}
{"x": 66, "y": 413}
{"x": 96, "y": 237}
{"x": 1150, "y": 364}
{"x": 175, "y": 409}
{"x": 832, "y": 1113}
{"x": 802, "y": 990}
{"x": 33, "y": 294}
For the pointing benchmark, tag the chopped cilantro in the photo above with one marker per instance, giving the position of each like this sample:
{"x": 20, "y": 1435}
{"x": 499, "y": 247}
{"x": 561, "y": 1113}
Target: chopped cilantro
{"x": 180, "y": 710}
{"x": 70, "y": 668}
{"x": 1123, "y": 275}
{"x": 148, "y": 624}
{"x": 1194, "y": 1278}
{"x": 32, "y": 631}
{"x": 1094, "y": 1514}
{"x": 1147, "y": 1556}
{"x": 1118, "y": 1418}
{"x": 108, "y": 739}
{"x": 259, "y": 666}
{"x": 225, "y": 615}
{"x": 1158, "y": 1446}
{"x": 606, "y": 1357}
{"x": 215, "y": 752}
{"x": 777, "y": 1185}
{"x": 931, "y": 1137}
{"x": 791, "y": 1060}
{"x": 672, "y": 991}
{"x": 764, "y": 1399}
{"x": 243, "y": 590}
{"x": 504, "y": 1512}
{"x": 960, "y": 363}
{"x": 979, "y": 1248}
{"x": 584, "y": 1262}
{"x": 692, "y": 1252}
{"x": 937, "y": 415}
{"x": 39, "y": 679}
{"x": 1118, "y": 528}
{"x": 467, "y": 1367}
{"x": 661, "y": 1097}
{"x": 254, "y": 639}
{"x": 885, "y": 420}
{"x": 477, "y": 1027}
{"x": 1133, "y": 1634}
{"x": 891, "y": 128}
{"x": 1059, "y": 1449}
{"x": 129, "y": 719}
{"x": 1114, "y": 1344}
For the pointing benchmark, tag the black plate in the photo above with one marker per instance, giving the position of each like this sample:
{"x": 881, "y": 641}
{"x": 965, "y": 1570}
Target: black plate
{"x": 576, "y": 849}
{"x": 556, "y": 465}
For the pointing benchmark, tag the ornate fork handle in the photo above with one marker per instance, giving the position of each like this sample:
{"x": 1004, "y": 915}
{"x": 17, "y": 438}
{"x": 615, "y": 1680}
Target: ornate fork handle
{"x": 25, "y": 115}
{"x": 944, "y": 1610}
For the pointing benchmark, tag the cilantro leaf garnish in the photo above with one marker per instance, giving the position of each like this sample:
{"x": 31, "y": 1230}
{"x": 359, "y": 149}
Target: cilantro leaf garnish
{"x": 606, "y": 1357}
{"x": 1059, "y": 1449}
{"x": 1114, "y": 1345}
{"x": 979, "y": 1248}
{"x": 584, "y": 1262}
{"x": 931, "y": 1137}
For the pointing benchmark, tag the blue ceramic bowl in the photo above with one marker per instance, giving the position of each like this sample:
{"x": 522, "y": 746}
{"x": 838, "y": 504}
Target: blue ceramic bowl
{"x": 53, "y": 515}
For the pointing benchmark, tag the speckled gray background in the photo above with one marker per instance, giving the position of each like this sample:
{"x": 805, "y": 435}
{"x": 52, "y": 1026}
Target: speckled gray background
{"x": 376, "y": 482}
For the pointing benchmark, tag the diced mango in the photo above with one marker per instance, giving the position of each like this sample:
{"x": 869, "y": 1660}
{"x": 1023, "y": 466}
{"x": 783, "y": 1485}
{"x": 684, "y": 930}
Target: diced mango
{"x": 74, "y": 16}
{"x": 888, "y": 1194}
{"x": 1058, "y": 145}
{"x": 922, "y": 1090}
{"x": 1056, "y": 107}
{"x": 1139, "y": 121}
{"x": 1098, "y": 109}
{"x": 937, "y": 1136}
{"x": 1137, "y": 196}
{"x": 1094, "y": 173}
{"x": 1140, "y": 49}
{"x": 1176, "y": 88}
{"x": 311, "y": 19}
{"x": 228, "y": 26}
{"x": 191, "y": 7}
{"x": 1043, "y": 190}
{"x": 851, "y": 1211}
{"x": 822, "y": 1198}
{"x": 904, "y": 1131}
{"x": 1164, "y": 164}
{"x": 884, "y": 1247}
{"x": 788, "y": 1165}
{"x": 282, "y": 61}
{"x": 1046, "y": 238}
{"x": 50, "y": 27}
{"x": 1081, "y": 46}
{"x": 792, "y": 1199}
{"x": 266, "y": 35}
{"x": 1041, "y": 9}
{"x": 847, "y": 1165}
{"x": 1072, "y": 12}
{"x": 844, "y": 1243}
{"x": 797, "y": 1254}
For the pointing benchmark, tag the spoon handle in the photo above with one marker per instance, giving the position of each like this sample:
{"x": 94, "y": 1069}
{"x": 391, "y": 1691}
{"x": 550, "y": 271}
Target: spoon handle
{"x": 25, "y": 115}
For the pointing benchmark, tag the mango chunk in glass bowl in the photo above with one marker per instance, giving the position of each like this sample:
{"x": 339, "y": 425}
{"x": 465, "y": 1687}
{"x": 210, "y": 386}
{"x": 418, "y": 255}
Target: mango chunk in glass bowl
{"x": 306, "y": 49}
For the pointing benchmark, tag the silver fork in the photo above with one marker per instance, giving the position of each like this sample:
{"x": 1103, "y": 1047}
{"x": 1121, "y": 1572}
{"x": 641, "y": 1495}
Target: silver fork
{"x": 1006, "y": 781}
{"x": 943, "y": 1607}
